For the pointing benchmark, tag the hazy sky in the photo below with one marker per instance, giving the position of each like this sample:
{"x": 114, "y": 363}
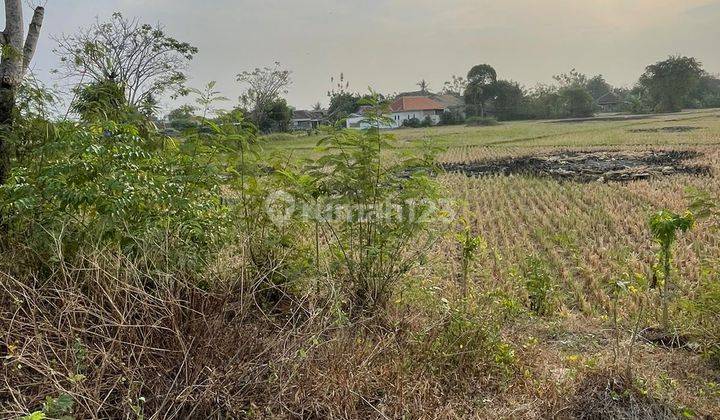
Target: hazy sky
{"x": 391, "y": 44}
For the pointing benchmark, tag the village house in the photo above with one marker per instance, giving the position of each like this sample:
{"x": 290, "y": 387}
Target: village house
{"x": 406, "y": 106}
{"x": 306, "y": 120}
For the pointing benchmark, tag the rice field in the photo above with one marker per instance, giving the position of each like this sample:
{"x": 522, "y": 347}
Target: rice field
{"x": 587, "y": 236}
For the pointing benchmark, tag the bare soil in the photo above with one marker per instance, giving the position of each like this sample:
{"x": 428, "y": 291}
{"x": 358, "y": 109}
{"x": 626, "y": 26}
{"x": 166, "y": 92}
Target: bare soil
{"x": 672, "y": 129}
{"x": 589, "y": 166}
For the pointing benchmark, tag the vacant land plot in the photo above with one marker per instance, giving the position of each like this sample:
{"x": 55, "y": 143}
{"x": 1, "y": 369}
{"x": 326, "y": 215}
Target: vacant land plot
{"x": 574, "y": 200}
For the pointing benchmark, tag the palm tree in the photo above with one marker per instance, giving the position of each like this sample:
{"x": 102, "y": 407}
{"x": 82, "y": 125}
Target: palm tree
{"x": 423, "y": 86}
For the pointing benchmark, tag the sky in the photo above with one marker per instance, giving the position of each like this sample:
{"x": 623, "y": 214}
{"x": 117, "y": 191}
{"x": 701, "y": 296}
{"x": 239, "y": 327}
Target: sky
{"x": 392, "y": 44}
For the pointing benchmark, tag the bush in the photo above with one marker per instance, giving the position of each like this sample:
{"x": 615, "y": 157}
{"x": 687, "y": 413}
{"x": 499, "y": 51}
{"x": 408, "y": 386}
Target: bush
{"x": 103, "y": 185}
{"x": 451, "y": 118}
{"x": 370, "y": 245}
{"x": 412, "y": 123}
{"x": 577, "y": 102}
{"x": 481, "y": 121}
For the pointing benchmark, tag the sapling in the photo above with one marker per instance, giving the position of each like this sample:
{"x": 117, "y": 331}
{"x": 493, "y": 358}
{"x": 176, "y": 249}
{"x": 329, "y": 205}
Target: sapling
{"x": 469, "y": 244}
{"x": 664, "y": 226}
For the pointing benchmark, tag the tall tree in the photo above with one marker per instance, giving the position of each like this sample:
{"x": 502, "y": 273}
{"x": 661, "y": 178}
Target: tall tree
{"x": 142, "y": 58}
{"x": 481, "y": 80}
{"x": 17, "y": 53}
{"x": 670, "y": 82}
{"x": 264, "y": 86}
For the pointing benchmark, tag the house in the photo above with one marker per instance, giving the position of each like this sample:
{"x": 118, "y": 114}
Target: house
{"x": 608, "y": 102}
{"x": 306, "y": 120}
{"x": 411, "y": 105}
{"x": 405, "y": 108}
{"x": 452, "y": 103}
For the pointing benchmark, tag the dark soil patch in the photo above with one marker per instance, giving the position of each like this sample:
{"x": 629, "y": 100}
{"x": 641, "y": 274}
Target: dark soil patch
{"x": 584, "y": 166}
{"x": 673, "y": 129}
{"x": 603, "y": 395}
{"x": 662, "y": 338}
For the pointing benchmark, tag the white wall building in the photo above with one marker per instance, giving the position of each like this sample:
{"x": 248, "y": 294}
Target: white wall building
{"x": 402, "y": 109}
{"x": 408, "y": 107}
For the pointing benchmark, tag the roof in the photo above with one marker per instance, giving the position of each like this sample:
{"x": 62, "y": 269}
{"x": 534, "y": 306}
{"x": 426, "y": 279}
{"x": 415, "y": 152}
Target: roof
{"x": 449, "y": 100}
{"x": 608, "y": 99}
{"x": 307, "y": 115}
{"x": 415, "y": 103}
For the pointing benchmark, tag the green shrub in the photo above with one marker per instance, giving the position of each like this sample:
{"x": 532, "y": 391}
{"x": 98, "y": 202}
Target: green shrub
{"x": 385, "y": 208}
{"x": 539, "y": 285}
{"x": 664, "y": 226}
{"x": 103, "y": 185}
{"x": 481, "y": 121}
{"x": 412, "y": 123}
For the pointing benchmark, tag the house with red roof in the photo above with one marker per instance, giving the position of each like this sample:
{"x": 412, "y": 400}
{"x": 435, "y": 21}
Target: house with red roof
{"x": 421, "y": 107}
{"x": 402, "y": 109}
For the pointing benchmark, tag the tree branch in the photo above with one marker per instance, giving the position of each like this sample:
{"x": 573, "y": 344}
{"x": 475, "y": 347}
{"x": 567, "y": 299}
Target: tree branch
{"x": 33, "y": 36}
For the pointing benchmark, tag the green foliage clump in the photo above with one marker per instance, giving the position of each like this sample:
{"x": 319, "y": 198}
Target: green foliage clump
{"x": 668, "y": 83}
{"x": 381, "y": 208}
{"x": 104, "y": 184}
{"x": 664, "y": 226}
{"x": 412, "y": 123}
{"x": 540, "y": 286}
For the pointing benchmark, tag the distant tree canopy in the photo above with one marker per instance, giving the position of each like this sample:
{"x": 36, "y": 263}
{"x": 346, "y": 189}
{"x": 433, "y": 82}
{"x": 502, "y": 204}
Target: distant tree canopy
{"x": 479, "y": 90}
{"x": 597, "y": 87}
{"x": 142, "y": 58}
{"x": 670, "y": 82}
{"x": 576, "y": 101}
{"x": 183, "y": 118}
{"x": 275, "y": 116}
{"x": 455, "y": 86}
{"x": 509, "y": 100}
{"x": 343, "y": 104}
{"x": 264, "y": 87}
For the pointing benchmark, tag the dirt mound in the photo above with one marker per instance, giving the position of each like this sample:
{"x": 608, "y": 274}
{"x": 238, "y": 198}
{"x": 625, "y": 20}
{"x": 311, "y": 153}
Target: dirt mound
{"x": 584, "y": 166}
{"x": 673, "y": 129}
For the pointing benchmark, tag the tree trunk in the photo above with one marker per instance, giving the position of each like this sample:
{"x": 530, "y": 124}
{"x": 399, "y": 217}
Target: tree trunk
{"x": 18, "y": 51}
{"x": 7, "y": 103}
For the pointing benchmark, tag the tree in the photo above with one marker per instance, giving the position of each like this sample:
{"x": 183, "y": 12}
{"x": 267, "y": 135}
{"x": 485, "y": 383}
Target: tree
{"x": 101, "y": 101}
{"x": 577, "y": 102}
{"x": 17, "y": 53}
{"x": 455, "y": 86}
{"x": 598, "y": 87}
{"x": 423, "y": 86}
{"x": 342, "y": 105}
{"x": 264, "y": 87}
{"x": 140, "y": 57}
{"x": 183, "y": 118}
{"x": 481, "y": 80}
{"x": 573, "y": 78}
{"x": 275, "y": 116}
{"x": 509, "y": 98}
{"x": 670, "y": 82}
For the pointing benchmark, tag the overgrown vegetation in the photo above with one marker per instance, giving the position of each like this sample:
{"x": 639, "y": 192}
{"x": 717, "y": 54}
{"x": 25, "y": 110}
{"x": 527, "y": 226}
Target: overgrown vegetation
{"x": 187, "y": 272}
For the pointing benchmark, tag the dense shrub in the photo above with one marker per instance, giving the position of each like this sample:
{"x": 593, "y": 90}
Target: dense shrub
{"x": 103, "y": 185}
{"x": 412, "y": 123}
